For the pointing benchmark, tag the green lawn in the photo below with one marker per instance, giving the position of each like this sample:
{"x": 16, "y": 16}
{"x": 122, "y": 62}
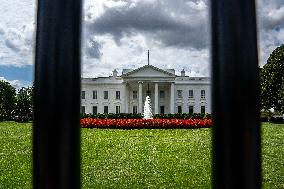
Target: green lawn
{"x": 273, "y": 155}
{"x": 137, "y": 158}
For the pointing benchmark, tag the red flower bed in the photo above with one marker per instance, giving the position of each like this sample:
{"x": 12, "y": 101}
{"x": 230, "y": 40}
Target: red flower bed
{"x": 145, "y": 123}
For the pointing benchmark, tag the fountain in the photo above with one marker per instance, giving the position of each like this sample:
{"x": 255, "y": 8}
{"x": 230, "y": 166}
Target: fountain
{"x": 147, "y": 109}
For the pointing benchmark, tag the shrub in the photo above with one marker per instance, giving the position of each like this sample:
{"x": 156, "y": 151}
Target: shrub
{"x": 113, "y": 116}
{"x": 139, "y": 116}
{"x": 277, "y": 119}
{"x": 182, "y": 116}
{"x": 265, "y": 116}
{"x": 264, "y": 119}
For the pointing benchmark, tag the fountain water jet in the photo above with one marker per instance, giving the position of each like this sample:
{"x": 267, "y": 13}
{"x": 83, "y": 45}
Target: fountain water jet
{"x": 147, "y": 109}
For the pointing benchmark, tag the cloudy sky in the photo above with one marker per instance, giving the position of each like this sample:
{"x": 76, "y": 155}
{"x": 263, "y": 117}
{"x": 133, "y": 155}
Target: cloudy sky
{"x": 118, "y": 33}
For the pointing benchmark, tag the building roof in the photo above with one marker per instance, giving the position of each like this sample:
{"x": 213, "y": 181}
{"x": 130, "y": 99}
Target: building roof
{"x": 149, "y": 73}
{"x": 128, "y": 72}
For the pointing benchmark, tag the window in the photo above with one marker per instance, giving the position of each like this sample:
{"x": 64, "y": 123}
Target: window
{"x": 134, "y": 109}
{"x": 190, "y": 109}
{"x": 162, "y": 94}
{"x": 117, "y": 95}
{"x": 83, "y": 111}
{"x": 83, "y": 94}
{"x": 202, "y": 93}
{"x": 190, "y": 94}
{"x": 105, "y": 109}
{"x": 95, "y": 94}
{"x": 162, "y": 109}
{"x": 117, "y": 109}
{"x": 202, "y": 109}
{"x": 105, "y": 94}
{"x": 95, "y": 109}
{"x": 134, "y": 94}
{"x": 179, "y": 109}
{"x": 179, "y": 93}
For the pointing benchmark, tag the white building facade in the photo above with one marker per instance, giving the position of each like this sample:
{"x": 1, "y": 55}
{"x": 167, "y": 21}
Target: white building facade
{"x": 126, "y": 93}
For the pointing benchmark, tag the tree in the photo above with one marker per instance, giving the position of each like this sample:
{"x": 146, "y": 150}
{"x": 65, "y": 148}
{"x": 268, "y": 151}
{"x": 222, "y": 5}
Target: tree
{"x": 24, "y": 107}
{"x": 7, "y": 100}
{"x": 272, "y": 81}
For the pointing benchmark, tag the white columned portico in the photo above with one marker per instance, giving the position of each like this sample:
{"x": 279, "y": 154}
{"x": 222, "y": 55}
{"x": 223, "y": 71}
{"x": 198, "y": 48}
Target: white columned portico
{"x": 140, "y": 98}
{"x": 126, "y": 98}
{"x": 172, "y": 100}
{"x": 156, "y": 98}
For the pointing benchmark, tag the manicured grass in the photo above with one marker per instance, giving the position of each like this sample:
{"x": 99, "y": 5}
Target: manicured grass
{"x": 111, "y": 158}
{"x": 273, "y": 155}
{"x": 146, "y": 158}
{"x": 15, "y": 155}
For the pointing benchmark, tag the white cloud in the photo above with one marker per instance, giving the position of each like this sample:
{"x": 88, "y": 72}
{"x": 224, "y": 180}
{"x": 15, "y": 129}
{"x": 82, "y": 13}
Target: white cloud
{"x": 270, "y": 41}
{"x": 133, "y": 53}
{"x": 175, "y": 33}
{"x": 15, "y": 83}
{"x": 270, "y": 27}
{"x": 17, "y": 32}
{"x": 176, "y": 24}
{"x": 168, "y": 47}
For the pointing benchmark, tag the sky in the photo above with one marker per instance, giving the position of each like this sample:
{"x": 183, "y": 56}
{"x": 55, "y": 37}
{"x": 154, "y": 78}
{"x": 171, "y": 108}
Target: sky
{"x": 117, "y": 34}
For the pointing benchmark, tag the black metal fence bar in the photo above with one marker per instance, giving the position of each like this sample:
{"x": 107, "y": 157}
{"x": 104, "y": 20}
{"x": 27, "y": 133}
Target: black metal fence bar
{"x": 236, "y": 131}
{"x": 56, "y": 131}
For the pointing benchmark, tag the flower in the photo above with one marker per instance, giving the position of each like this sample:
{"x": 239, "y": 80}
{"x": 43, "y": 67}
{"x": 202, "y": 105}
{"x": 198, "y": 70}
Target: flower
{"x": 145, "y": 123}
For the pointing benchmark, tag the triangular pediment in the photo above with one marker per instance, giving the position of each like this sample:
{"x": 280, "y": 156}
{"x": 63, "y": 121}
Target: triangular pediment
{"x": 148, "y": 71}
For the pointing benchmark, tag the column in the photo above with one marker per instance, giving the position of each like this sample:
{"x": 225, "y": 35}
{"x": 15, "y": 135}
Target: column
{"x": 172, "y": 99}
{"x": 126, "y": 98}
{"x": 156, "y": 98}
{"x": 140, "y": 98}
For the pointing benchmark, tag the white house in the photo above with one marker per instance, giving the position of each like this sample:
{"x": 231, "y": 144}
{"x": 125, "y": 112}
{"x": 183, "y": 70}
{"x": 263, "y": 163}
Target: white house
{"x": 126, "y": 93}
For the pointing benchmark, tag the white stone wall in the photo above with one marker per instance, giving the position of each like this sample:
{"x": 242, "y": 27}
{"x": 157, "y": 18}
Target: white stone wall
{"x": 112, "y": 102}
{"x": 196, "y": 101}
{"x": 132, "y": 101}
{"x": 100, "y": 102}
{"x": 127, "y": 84}
{"x": 165, "y": 101}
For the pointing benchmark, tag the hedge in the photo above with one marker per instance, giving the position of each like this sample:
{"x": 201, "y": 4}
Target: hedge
{"x": 139, "y": 116}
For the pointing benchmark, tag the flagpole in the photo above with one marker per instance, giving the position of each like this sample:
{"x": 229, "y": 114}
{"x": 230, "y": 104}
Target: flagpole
{"x": 148, "y": 58}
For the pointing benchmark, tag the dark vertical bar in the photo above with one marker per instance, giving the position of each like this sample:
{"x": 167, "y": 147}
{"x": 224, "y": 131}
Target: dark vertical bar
{"x": 56, "y": 132}
{"x": 236, "y": 132}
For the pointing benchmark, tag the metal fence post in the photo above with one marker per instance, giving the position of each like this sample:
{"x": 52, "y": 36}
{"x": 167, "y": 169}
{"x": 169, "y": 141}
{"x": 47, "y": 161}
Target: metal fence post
{"x": 235, "y": 94}
{"x": 56, "y": 129}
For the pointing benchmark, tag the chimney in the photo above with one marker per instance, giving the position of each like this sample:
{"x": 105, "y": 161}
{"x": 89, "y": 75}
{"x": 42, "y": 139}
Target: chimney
{"x": 182, "y": 73}
{"x": 114, "y": 73}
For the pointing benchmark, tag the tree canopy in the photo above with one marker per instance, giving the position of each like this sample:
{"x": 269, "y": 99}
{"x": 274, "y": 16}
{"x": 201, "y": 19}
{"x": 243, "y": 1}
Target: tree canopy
{"x": 7, "y": 100}
{"x": 272, "y": 81}
{"x": 24, "y": 107}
